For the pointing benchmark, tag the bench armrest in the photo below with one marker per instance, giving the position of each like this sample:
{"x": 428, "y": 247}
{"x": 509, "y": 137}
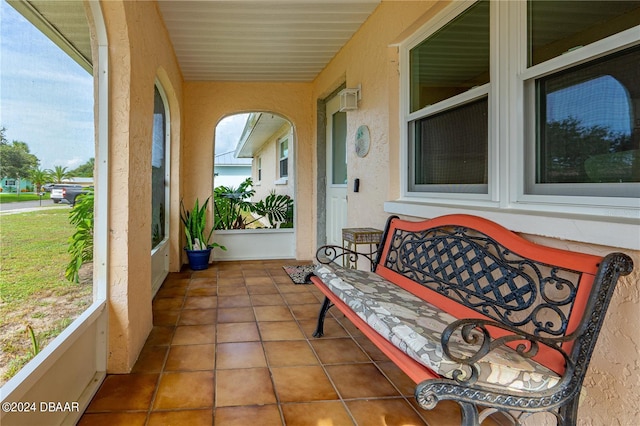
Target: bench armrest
{"x": 465, "y": 386}
{"x": 339, "y": 255}
{"x": 478, "y": 334}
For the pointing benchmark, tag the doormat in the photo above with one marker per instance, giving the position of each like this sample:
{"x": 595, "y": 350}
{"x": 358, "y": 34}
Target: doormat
{"x": 300, "y": 274}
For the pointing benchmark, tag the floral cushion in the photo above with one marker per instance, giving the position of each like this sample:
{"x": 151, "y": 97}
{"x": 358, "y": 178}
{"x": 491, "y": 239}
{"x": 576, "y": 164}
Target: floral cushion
{"x": 415, "y": 327}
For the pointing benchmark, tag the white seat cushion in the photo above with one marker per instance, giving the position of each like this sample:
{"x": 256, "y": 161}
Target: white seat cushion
{"x": 415, "y": 327}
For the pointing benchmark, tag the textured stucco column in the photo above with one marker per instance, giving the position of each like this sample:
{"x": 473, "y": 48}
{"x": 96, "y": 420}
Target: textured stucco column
{"x": 140, "y": 54}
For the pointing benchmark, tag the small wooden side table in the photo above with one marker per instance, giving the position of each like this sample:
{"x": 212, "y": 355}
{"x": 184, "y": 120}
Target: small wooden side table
{"x": 352, "y": 237}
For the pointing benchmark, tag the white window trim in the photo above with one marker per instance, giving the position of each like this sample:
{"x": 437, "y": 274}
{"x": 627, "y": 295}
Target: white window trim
{"x": 283, "y": 179}
{"x": 598, "y": 220}
{"x": 490, "y": 197}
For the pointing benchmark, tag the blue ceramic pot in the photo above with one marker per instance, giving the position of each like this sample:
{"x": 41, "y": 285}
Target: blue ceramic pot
{"x": 198, "y": 259}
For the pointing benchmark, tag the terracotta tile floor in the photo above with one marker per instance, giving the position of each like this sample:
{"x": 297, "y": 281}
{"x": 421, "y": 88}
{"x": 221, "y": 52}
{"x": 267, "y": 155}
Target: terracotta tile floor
{"x": 232, "y": 346}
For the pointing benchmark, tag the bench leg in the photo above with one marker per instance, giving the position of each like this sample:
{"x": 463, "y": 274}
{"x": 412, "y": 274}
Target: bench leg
{"x": 323, "y": 312}
{"x": 568, "y": 414}
{"x": 469, "y": 414}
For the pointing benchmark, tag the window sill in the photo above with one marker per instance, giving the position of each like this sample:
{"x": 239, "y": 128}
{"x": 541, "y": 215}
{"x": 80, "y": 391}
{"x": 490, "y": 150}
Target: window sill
{"x": 281, "y": 181}
{"x": 602, "y": 230}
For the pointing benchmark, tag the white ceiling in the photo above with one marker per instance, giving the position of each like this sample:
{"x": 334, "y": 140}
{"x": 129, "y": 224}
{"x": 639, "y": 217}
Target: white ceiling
{"x": 266, "y": 40}
{"x": 227, "y": 40}
{"x": 260, "y": 40}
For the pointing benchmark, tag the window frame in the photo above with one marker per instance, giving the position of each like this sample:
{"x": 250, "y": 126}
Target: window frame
{"x": 576, "y": 218}
{"x": 483, "y": 197}
{"x": 282, "y": 158}
{"x": 259, "y": 169}
{"x": 526, "y": 79}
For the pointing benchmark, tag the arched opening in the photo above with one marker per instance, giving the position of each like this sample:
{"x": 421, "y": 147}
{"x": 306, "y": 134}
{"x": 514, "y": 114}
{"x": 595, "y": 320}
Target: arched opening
{"x": 254, "y": 186}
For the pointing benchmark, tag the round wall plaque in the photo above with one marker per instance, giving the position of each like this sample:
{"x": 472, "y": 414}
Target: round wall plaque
{"x": 363, "y": 141}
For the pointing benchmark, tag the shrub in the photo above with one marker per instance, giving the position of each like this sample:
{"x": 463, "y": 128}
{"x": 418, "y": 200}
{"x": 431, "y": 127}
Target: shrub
{"x": 81, "y": 242}
{"x": 233, "y": 208}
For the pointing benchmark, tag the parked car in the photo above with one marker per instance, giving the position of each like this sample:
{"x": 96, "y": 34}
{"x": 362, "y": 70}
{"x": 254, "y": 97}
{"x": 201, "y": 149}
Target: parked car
{"x": 66, "y": 193}
{"x": 47, "y": 187}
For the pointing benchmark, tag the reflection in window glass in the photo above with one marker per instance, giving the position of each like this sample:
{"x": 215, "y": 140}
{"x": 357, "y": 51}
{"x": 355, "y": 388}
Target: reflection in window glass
{"x": 158, "y": 162}
{"x": 586, "y": 118}
{"x": 556, "y": 27}
{"x": 453, "y": 60}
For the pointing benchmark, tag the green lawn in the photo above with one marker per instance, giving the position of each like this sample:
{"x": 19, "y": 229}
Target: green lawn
{"x": 33, "y": 289}
{"x": 25, "y": 196}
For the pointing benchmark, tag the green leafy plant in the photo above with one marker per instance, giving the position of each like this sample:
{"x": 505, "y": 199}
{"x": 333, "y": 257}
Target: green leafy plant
{"x": 230, "y": 203}
{"x": 195, "y": 223}
{"x": 81, "y": 242}
{"x": 276, "y": 208}
{"x": 234, "y": 210}
{"x": 35, "y": 345}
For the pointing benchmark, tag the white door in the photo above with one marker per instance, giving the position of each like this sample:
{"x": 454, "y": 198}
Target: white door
{"x": 336, "y": 171}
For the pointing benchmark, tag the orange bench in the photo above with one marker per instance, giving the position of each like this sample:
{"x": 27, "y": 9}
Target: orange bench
{"x": 474, "y": 313}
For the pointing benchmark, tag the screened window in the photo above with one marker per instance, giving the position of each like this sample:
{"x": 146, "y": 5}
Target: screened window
{"x": 557, "y": 27}
{"x": 259, "y": 169}
{"x": 452, "y": 60}
{"x": 450, "y": 151}
{"x": 525, "y": 105}
{"x": 284, "y": 157}
{"x": 448, "y": 125}
{"x": 585, "y": 139}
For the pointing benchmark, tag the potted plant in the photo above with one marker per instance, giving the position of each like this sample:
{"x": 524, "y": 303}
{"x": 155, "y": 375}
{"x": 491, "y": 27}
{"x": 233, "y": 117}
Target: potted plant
{"x": 199, "y": 244}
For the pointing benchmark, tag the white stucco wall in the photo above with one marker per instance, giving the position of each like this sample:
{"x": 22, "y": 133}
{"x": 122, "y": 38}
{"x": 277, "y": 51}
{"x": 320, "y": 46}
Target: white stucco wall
{"x": 271, "y": 165}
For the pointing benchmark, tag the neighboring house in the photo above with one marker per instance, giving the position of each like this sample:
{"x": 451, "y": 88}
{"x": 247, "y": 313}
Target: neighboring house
{"x": 461, "y": 100}
{"x": 84, "y": 181}
{"x": 230, "y": 171}
{"x": 11, "y": 185}
{"x": 267, "y": 139}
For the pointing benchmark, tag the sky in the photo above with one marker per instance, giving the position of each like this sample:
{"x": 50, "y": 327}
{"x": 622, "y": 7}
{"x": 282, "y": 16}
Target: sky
{"x": 602, "y": 101}
{"x": 228, "y": 132}
{"x": 46, "y": 98}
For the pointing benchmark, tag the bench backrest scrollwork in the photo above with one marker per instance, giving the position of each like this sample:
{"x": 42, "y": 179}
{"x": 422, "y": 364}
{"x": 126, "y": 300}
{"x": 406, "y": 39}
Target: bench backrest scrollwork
{"x": 490, "y": 272}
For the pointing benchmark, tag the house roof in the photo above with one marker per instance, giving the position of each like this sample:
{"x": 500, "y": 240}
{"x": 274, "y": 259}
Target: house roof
{"x": 64, "y": 22}
{"x": 229, "y": 159}
{"x": 258, "y": 129}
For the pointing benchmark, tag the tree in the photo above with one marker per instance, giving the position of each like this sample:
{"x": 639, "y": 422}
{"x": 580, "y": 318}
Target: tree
{"x": 39, "y": 177}
{"x": 569, "y": 144}
{"x": 16, "y": 160}
{"x": 84, "y": 170}
{"x": 59, "y": 174}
